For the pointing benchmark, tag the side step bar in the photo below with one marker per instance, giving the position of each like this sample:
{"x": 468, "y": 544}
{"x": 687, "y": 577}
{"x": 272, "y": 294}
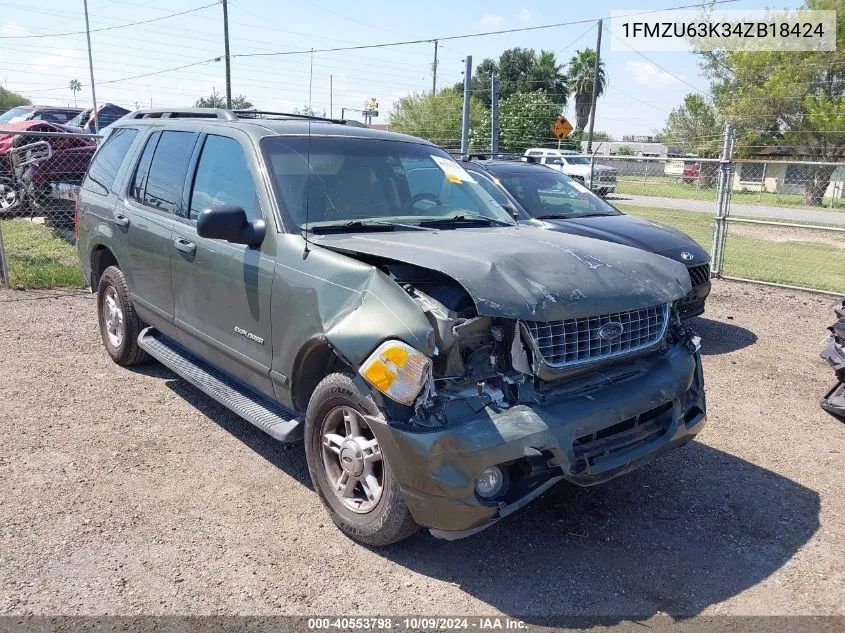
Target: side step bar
{"x": 268, "y": 415}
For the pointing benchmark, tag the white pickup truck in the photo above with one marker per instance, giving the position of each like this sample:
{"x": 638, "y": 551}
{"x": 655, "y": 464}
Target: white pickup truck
{"x": 577, "y": 167}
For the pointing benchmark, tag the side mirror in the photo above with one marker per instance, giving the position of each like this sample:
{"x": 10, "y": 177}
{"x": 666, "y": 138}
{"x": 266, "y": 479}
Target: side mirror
{"x": 229, "y": 222}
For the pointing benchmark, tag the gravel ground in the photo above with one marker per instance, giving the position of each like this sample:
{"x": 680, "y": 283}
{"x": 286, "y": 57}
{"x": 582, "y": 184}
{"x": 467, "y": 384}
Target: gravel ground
{"x": 130, "y": 492}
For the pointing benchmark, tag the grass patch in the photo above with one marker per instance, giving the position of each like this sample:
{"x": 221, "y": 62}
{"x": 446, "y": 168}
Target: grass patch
{"x": 672, "y": 188}
{"x": 38, "y": 257}
{"x": 802, "y": 257}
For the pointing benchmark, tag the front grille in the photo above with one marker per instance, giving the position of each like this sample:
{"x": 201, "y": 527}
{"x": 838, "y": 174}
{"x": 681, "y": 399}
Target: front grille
{"x": 577, "y": 341}
{"x": 699, "y": 274}
{"x": 626, "y": 434}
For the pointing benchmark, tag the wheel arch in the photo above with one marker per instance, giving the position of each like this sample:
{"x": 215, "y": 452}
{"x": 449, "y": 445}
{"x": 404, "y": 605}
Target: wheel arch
{"x": 316, "y": 359}
{"x": 101, "y": 258}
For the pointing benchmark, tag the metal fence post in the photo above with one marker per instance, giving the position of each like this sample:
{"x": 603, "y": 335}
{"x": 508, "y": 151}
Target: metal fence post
{"x": 494, "y": 115}
{"x": 4, "y": 269}
{"x": 465, "y": 115}
{"x": 722, "y": 197}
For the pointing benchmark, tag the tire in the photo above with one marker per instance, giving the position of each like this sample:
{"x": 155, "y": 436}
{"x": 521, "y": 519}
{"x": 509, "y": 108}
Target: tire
{"x": 124, "y": 349}
{"x": 389, "y": 520}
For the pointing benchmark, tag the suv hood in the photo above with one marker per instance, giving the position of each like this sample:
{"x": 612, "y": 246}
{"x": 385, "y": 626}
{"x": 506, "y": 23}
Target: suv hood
{"x": 637, "y": 232}
{"x": 528, "y": 272}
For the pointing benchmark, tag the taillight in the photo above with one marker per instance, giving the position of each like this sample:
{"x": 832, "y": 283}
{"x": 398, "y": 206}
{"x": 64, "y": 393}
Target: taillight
{"x": 76, "y": 218}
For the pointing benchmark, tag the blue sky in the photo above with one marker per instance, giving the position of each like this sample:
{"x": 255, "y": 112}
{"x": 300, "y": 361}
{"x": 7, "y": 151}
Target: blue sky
{"x": 639, "y": 96}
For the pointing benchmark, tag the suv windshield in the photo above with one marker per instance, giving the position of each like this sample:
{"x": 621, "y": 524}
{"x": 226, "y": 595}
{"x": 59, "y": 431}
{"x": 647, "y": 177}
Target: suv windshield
{"x": 549, "y": 194}
{"x": 14, "y": 115}
{"x": 348, "y": 182}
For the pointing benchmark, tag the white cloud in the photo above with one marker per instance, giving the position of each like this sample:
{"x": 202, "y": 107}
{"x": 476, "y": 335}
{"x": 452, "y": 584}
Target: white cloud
{"x": 490, "y": 19}
{"x": 525, "y": 15}
{"x": 648, "y": 74}
{"x": 13, "y": 28}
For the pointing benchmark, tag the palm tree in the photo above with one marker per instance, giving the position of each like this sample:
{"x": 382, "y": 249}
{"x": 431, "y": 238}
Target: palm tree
{"x": 581, "y": 69}
{"x": 547, "y": 74}
{"x": 75, "y": 87}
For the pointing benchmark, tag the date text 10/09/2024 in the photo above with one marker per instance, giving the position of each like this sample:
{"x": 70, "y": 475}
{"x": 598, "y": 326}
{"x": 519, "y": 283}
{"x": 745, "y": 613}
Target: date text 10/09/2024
{"x": 417, "y": 623}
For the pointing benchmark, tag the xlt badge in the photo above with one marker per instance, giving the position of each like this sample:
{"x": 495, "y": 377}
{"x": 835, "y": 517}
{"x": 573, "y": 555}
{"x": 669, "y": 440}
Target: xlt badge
{"x": 249, "y": 335}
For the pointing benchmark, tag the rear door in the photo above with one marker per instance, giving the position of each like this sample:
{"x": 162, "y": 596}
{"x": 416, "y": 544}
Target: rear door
{"x": 152, "y": 203}
{"x": 222, "y": 289}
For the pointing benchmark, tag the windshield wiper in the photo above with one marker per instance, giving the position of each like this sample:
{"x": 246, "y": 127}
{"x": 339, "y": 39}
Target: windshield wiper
{"x": 466, "y": 218}
{"x": 361, "y": 225}
{"x": 554, "y": 216}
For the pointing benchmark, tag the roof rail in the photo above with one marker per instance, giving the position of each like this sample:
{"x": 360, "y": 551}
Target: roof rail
{"x": 182, "y": 113}
{"x": 264, "y": 114}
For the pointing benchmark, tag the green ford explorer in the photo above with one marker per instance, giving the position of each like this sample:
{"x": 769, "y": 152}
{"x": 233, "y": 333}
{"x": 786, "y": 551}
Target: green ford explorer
{"x": 358, "y": 289}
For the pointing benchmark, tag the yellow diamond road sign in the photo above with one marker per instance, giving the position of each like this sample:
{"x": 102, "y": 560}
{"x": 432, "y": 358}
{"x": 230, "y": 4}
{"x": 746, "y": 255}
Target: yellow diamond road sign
{"x": 562, "y": 128}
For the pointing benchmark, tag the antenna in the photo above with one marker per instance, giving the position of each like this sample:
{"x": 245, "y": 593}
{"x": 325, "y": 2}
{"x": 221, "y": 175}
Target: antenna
{"x": 307, "y": 189}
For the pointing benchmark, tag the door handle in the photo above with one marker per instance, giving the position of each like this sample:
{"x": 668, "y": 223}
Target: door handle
{"x": 185, "y": 246}
{"x": 121, "y": 220}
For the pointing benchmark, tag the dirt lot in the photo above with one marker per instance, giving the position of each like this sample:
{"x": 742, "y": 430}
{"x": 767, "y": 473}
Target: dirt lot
{"x": 130, "y": 492}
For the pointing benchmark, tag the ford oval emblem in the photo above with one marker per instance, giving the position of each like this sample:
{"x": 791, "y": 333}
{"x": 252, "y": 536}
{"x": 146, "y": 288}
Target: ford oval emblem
{"x": 611, "y": 330}
{"x": 687, "y": 256}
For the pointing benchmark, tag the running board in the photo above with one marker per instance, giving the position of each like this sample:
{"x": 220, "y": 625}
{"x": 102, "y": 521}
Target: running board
{"x": 268, "y": 415}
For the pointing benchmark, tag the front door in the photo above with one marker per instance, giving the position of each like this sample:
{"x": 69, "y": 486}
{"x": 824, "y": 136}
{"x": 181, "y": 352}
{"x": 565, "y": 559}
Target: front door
{"x": 222, "y": 290}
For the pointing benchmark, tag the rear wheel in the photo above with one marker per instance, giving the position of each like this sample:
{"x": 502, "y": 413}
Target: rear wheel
{"x": 348, "y": 470}
{"x": 119, "y": 324}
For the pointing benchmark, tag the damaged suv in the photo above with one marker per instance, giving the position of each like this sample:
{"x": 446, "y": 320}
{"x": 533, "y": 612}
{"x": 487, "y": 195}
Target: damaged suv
{"x": 359, "y": 289}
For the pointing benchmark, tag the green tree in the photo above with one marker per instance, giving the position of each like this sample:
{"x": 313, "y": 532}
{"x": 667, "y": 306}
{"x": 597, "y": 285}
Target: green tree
{"x": 75, "y": 87}
{"x": 520, "y": 70}
{"x": 787, "y": 98}
{"x": 624, "y": 151}
{"x": 525, "y": 120}
{"x": 436, "y": 118}
{"x": 216, "y": 100}
{"x": 694, "y": 127}
{"x": 9, "y": 100}
{"x": 581, "y": 70}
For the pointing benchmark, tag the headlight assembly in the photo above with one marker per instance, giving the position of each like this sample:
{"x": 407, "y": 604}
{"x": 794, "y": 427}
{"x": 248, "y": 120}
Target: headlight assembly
{"x": 397, "y": 370}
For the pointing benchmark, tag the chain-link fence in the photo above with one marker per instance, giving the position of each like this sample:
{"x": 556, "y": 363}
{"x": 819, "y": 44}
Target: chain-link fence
{"x": 41, "y": 169}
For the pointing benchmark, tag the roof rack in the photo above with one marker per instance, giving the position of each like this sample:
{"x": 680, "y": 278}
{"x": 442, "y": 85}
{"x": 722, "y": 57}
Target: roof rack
{"x": 182, "y": 113}
{"x": 229, "y": 115}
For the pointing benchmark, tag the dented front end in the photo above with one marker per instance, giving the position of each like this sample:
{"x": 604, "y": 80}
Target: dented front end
{"x": 583, "y": 378}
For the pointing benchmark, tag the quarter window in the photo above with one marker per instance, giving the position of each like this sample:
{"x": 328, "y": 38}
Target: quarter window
{"x": 223, "y": 177}
{"x": 168, "y": 168}
{"x": 108, "y": 160}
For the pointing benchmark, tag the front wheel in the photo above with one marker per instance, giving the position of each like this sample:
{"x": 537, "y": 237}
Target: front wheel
{"x": 348, "y": 470}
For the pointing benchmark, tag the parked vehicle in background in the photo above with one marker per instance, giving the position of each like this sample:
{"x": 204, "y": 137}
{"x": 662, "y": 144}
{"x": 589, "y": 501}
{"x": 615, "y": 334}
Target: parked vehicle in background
{"x": 577, "y": 166}
{"x": 559, "y": 203}
{"x": 50, "y": 114}
{"x": 686, "y": 170}
{"x": 358, "y": 288}
{"x": 39, "y": 174}
{"x": 834, "y": 353}
{"x": 107, "y": 114}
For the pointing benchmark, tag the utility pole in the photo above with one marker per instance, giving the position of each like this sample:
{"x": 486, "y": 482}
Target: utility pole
{"x": 310, "y": 80}
{"x": 226, "y": 46}
{"x": 494, "y": 114}
{"x": 434, "y": 71}
{"x": 91, "y": 69}
{"x": 465, "y": 118}
{"x": 331, "y": 96}
{"x": 595, "y": 90}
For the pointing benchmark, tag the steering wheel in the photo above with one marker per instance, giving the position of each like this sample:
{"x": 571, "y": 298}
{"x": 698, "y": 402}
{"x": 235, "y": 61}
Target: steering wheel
{"x": 425, "y": 195}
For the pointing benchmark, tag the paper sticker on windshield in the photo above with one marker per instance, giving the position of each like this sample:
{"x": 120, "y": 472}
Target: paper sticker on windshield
{"x": 454, "y": 172}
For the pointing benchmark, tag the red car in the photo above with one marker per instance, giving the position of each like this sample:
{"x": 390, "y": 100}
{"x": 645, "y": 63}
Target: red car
{"x": 38, "y": 173}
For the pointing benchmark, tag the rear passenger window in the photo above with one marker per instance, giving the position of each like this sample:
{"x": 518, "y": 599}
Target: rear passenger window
{"x": 143, "y": 168}
{"x": 108, "y": 159}
{"x": 223, "y": 177}
{"x": 167, "y": 172}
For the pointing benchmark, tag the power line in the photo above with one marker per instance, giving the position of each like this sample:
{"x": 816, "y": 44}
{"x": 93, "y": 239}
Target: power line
{"x": 107, "y": 28}
{"x": 521, "y": 29}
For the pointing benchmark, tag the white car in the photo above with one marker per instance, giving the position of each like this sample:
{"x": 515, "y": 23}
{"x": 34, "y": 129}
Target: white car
{"x": 577, "y": 167}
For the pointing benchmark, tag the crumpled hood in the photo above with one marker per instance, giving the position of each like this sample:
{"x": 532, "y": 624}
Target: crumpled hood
{"x": 637, "y": 232}
{"x": 528, "y": 272}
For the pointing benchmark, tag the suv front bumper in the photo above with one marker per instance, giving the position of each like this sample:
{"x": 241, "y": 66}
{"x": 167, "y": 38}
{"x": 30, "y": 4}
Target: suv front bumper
{"x": 591, "y": 436}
